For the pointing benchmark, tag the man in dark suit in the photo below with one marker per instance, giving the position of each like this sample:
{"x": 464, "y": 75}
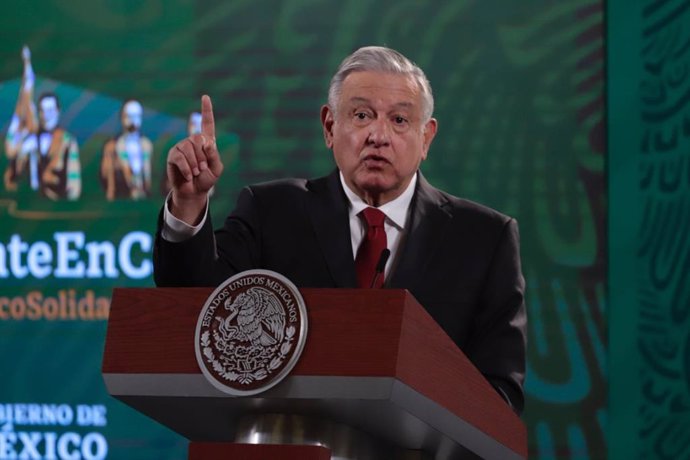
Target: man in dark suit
{"x": 459, "y": 259}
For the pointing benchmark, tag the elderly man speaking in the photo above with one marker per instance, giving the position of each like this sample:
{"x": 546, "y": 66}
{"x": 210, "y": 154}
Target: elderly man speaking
{"x": 459, "y": 259}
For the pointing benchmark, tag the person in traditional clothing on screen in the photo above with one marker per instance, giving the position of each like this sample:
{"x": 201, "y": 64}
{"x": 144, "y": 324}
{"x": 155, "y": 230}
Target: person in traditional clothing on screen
{"x": 126, "y": 162}
{"x": 39, "y": 150}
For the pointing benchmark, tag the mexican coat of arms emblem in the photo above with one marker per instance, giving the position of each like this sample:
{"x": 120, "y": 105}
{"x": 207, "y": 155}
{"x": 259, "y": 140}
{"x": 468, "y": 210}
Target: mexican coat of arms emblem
{"x": 250, "y": 332}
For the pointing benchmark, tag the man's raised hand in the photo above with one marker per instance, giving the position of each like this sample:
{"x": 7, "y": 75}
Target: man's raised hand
{"x": 193, "y": 168}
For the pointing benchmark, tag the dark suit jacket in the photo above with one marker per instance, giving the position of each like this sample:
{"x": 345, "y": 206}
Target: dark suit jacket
{"x": 459, "y": 259}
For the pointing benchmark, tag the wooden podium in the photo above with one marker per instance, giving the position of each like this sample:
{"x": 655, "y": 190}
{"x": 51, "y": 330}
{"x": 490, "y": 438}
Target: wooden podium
{"x": 375, "y": 364}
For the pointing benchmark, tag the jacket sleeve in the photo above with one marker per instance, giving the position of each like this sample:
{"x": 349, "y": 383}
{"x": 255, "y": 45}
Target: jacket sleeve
{"x": 209, "y": 257}
{"x": 499, "y": 339}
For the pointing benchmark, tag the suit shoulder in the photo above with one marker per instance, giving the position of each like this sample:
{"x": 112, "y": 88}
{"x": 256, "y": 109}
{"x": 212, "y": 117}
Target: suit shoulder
{"x": 279, "y": 194}
{"x": 279, "y": 187}
{"x": 463, "y": 208}
{"x": 291, "y": 186}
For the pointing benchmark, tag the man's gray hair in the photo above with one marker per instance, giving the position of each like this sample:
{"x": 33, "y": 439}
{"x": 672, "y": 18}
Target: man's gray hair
{"x": 381, "y": 59}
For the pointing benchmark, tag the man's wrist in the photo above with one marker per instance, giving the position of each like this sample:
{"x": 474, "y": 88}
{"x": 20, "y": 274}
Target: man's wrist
{"x": 176, "y": 230}
{"x": 190, "y": 210}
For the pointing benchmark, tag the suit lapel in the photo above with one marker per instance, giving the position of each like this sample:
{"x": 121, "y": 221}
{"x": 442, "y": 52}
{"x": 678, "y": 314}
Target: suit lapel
{"x": 427, "y": 228}
{"x": 327, "y": 207}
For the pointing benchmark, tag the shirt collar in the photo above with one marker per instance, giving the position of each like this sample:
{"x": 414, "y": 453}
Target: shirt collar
{"x": 395, "y": 210}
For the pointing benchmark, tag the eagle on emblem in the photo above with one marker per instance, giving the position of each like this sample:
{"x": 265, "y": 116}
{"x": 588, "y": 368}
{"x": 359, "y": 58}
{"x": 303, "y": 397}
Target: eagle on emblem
{"x": 260, "y": 318}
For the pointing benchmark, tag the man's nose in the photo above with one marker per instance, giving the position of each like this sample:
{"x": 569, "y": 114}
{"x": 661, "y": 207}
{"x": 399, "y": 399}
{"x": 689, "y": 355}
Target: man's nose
{"x": 379, "y": 133}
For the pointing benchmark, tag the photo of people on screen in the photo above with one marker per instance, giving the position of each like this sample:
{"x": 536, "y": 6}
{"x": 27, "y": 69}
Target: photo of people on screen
{"x": 125, "y": 170}
{"x": 38, "y": 150}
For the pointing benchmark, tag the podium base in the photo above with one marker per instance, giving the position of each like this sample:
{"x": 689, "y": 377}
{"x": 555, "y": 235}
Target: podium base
{"x": 232, "y": 451}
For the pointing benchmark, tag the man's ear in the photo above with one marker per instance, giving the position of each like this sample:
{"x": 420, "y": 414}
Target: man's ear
{"x": 429, "y": 132}
{"x": 327, "y": 123}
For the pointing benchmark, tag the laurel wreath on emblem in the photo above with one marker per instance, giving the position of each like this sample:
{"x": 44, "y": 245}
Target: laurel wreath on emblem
{"x": 252, "y": 342}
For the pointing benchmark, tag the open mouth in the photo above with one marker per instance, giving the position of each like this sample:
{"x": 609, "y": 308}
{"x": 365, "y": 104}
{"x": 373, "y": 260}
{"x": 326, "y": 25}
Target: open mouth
{"x": 374, "y": 161}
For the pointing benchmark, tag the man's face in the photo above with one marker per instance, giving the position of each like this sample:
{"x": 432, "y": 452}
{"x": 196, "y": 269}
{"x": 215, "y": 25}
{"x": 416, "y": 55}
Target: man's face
{"x": 131, "y": 116}
{"x": 378, "y": 134}
{"x": 48, "y": 113}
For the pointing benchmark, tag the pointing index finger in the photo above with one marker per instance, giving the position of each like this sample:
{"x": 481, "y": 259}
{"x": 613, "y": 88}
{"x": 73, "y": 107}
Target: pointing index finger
{"x": 208, "y": 126}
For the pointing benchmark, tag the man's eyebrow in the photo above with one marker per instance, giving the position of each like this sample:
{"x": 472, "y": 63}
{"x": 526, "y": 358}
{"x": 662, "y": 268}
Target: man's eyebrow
{"x": 403, "y": 104}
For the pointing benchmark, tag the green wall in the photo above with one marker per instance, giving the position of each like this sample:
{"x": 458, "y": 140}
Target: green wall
{"x": 649, "y": 224}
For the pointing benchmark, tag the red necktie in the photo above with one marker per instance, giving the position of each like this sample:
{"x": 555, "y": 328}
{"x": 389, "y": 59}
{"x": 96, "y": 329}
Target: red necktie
{"x": 370, "y": 249}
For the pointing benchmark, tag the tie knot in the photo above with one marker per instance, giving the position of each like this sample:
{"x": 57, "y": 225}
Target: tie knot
{"x": 374, "y": 217}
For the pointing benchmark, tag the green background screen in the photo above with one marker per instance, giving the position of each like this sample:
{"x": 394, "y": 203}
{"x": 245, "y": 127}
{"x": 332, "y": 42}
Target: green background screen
{"x": 520, "y": 99}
